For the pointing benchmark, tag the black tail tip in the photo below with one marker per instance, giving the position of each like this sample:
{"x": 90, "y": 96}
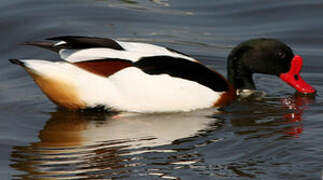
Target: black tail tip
{"x": 17, "y": 61}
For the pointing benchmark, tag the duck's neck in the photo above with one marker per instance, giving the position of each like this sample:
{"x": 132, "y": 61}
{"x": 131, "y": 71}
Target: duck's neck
{"x": 238, "y": 75}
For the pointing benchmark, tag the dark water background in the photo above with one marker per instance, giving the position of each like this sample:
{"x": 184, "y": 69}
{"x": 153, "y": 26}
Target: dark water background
{"x": 278, "y": 138}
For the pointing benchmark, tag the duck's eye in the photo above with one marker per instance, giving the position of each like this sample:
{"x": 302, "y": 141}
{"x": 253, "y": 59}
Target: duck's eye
{"x": 296, "y": 77}
{"x": 281, "y": 54}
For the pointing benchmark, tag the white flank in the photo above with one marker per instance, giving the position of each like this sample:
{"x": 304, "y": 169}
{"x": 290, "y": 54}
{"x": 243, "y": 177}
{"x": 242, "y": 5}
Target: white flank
{"x": 160, "y": 93}
{"x": 133, "y": 52}
{"x": 129, "y": 89}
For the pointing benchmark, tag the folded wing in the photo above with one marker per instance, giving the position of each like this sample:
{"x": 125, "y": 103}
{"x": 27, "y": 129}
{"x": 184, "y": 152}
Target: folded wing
{"x": 105, "y": 57}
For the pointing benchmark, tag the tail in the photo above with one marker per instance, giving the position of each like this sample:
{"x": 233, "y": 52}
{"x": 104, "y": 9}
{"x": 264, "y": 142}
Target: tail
{"x": 58, "y": 80}
{"x": 18, "y": 62}
{"x": 43, "y": 67}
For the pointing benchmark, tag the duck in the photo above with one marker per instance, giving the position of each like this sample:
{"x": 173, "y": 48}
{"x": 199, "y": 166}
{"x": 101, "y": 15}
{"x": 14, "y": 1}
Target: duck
{"x": 142, "y": 77}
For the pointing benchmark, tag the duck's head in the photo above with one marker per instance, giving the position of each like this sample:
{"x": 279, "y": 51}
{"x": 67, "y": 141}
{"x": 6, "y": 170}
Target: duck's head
{"x": 267, "y": 56}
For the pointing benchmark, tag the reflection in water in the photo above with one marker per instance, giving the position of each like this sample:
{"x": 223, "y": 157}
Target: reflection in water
{"x": 297, "y": 103}
{"x": 96, "y": 145}
{"x": 256, "y": 114}
{"x": 263, "y": 132}
{"x": 92, "y": 145}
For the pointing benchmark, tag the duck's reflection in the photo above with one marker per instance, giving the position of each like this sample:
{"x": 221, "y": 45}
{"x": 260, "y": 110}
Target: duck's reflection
{"x": 265, "y": 117}
{"x": 91, "y": 144}
{"x": 95, "y": 145}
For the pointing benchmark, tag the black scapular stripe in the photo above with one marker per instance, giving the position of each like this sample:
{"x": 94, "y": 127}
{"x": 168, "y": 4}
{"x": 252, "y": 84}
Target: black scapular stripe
{"x": 80, "y": 42}
{"x": 182, "y": 68}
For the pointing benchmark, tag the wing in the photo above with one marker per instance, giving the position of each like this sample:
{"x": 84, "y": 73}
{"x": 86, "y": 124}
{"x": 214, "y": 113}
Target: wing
{"x": 77, "y": 49}
{"x": 104, "y": 67}
{"x": 75, "y": 42}
{"x": 181, "y": 68}
{"x": 80, "y": 42}
{"x": 105, "y": 57}
{"x": 159, "y": 65}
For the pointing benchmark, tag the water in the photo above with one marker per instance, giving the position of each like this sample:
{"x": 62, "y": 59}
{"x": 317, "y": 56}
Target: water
{"x": 277, "y": 138}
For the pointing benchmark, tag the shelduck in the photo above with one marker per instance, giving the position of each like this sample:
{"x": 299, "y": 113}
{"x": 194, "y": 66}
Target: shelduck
{"x": 141, "y": 77}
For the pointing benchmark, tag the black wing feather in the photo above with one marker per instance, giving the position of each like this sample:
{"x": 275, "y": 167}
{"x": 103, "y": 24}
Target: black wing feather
{"x": 46, "y": 45}
{"x": 80, "y": 42}
{"x": 182, "y": 68}
{"x": 76, "y": 42}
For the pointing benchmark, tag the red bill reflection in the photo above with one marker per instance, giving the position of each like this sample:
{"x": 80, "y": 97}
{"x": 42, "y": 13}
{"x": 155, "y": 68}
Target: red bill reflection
{"x": 297, "y": 103}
